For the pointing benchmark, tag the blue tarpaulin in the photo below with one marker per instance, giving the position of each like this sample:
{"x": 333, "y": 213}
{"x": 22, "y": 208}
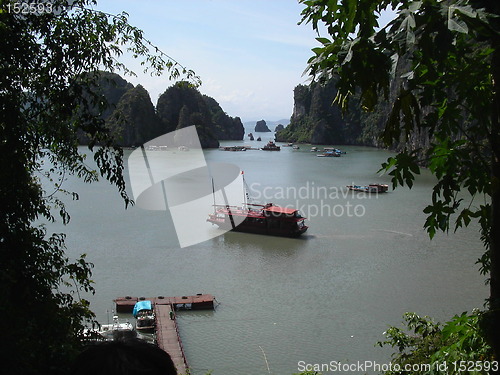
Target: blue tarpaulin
{"x": 141, "y": 305}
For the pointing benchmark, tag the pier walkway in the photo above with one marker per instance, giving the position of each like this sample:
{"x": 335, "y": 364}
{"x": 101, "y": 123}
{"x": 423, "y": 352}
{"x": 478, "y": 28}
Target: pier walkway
{"x": 167, "y": 336}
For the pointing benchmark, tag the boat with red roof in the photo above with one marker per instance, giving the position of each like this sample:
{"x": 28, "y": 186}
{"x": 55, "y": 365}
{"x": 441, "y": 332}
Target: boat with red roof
{"x": 266, "y": 219}
{"x": 271, "y": 146}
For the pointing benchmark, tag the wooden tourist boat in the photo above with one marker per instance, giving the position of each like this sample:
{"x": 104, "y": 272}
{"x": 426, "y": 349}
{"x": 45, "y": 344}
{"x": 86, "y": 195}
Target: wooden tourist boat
{"x": 260, "y": 219}
{"x": 271, "y": 146}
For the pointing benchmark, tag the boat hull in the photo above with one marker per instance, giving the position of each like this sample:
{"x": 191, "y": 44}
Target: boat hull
{"x": 145, "y": 323}
{"x": 264, "y": 228}
{"x": 372, "y": 188}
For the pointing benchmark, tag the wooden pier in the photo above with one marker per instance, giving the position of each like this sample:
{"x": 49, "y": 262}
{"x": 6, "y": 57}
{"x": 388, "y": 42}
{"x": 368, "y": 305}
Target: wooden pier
{"x": 166, "y": 328}
{"x": 167, "y": 336}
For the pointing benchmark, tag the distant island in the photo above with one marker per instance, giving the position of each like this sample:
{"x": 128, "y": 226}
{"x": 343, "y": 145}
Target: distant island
{"x": 133, "y": 119}
{"x": 261, "y": 127}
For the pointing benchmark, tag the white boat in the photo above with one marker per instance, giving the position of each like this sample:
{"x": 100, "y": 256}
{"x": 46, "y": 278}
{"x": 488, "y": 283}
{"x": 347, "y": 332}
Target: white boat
{"x": 112, "y": 331}
{"x": 329, "y": 154}
{"x": 333, "y": 149}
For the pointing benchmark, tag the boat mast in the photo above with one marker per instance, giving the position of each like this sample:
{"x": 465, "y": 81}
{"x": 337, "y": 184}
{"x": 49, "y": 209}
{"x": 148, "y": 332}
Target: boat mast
{"x": 245, "y": 193}
{"x": 246, "y": 196}
{"x": 213, "y": 193}
{"x": 226, "y": 201}
{"x": 150, "y": 172}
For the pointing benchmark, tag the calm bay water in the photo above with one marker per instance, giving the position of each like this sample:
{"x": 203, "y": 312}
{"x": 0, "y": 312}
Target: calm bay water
{"x": 327, "y": 296}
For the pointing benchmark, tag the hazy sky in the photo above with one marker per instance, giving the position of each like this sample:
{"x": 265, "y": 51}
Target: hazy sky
{"x": 250, "y": 54}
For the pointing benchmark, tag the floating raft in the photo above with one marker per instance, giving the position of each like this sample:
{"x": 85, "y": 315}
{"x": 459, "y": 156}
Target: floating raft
{"x": 197, "y": 302}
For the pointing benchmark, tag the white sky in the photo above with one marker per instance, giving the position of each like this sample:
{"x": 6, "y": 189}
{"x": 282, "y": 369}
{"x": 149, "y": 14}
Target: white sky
{"x": 250, "y": 54}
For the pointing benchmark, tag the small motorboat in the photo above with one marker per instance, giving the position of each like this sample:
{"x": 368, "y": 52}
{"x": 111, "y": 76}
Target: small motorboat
{"x": 144, "y": 315}
{"x": 372, "y": 188}
{"x": 333, "y": 149}
{"x": 112, "y": 331}
{"x": 329, "y": 154}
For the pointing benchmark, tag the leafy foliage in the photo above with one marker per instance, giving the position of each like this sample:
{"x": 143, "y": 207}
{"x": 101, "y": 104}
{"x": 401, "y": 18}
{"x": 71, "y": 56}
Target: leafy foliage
{"x": 49, "y": 61}
{"x": 427, "y": 347}
{"x": 449, "y": 95}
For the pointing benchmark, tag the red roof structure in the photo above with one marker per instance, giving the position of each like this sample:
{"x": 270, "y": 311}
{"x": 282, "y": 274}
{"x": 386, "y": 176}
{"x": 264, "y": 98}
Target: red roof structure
{"x": 281, "y": 210}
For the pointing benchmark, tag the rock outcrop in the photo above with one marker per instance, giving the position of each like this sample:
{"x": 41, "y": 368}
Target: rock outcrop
{"x": 261, "y": 127}
{"x": 133, "y": 120}
{"x": 182, "y": 105}
{"x": 225, "y": 127}
{"x": 317, "y": 120}
{"x": 279, "y": 127}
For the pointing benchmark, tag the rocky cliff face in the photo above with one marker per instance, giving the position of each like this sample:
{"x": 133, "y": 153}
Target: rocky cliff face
{"x": 133, "y": 119}
{"x": 317, "y": 120}
{"x": 112, "y": 87}
{"x": 225, "y": 127}
{"x": 181, "y": 105}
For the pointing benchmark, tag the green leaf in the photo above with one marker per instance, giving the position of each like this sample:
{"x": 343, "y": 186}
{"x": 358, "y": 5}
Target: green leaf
{"x": 324, "y": 41}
